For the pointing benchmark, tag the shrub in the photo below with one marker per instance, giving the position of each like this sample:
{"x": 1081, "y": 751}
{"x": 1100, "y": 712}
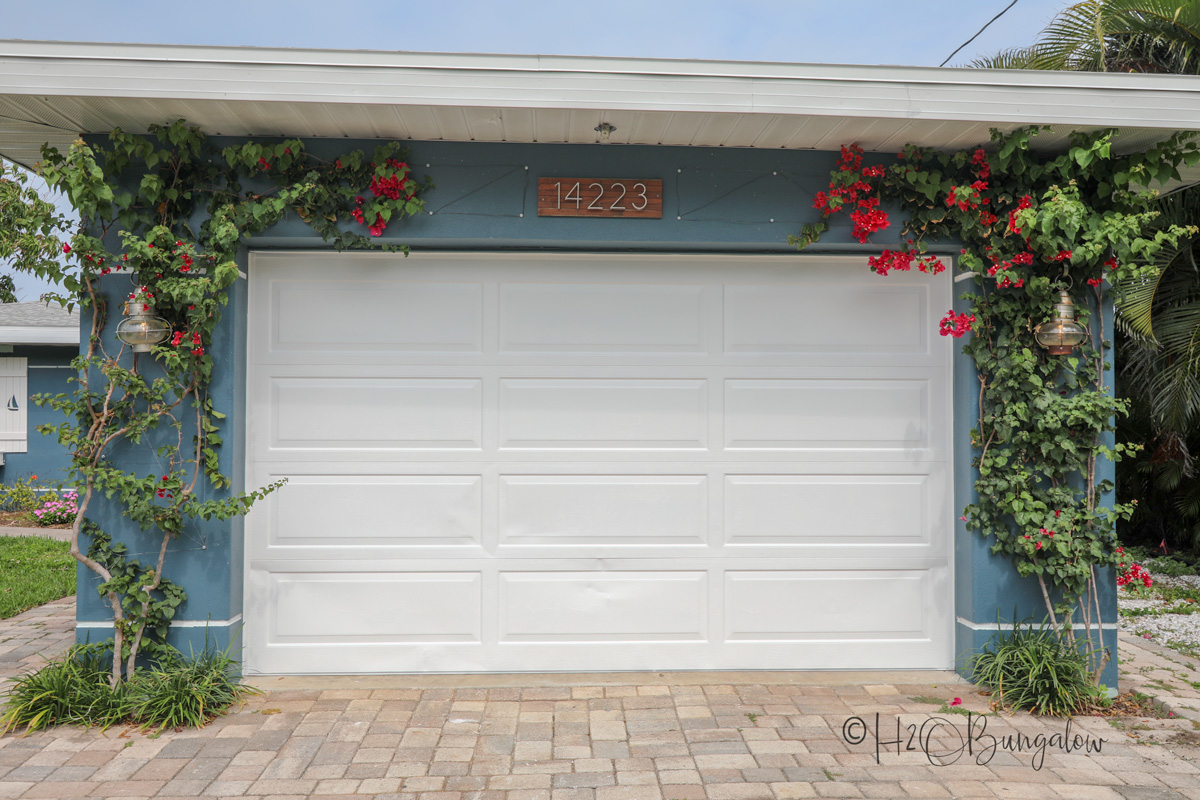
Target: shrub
{"x": 1169, "y": 565}
{"x": 1034, "y": 669}
{"x": 20, "y": 495}
{"x": 57, "y": 511}
{"x": 72, "y": 691}
{"x": 77, "y": 690}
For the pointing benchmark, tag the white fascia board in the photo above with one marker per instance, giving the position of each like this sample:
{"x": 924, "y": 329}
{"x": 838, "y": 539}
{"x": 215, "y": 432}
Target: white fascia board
{"x": 39, "y": 335}
{"x": 50, "y": 69}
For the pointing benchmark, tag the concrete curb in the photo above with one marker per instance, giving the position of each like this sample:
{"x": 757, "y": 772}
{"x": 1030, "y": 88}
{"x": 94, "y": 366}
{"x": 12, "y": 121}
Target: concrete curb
{"x": 61, "y": 534}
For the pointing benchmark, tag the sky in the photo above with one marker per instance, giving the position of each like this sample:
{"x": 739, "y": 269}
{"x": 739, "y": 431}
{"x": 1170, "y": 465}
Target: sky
{"x": 917, "y": 32}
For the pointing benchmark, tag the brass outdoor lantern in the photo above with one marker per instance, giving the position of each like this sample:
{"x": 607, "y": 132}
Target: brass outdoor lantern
{"x": 141, "y": 329}
{"x": 1062, "y": 334}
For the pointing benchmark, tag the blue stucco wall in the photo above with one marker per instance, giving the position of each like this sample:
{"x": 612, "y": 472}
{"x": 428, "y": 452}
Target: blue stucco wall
{"x": 49, "y": 372}
{"x": 715, "y": 200}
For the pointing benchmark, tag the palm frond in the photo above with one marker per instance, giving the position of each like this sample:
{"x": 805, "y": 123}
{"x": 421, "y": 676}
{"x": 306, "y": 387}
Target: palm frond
{"x": 1013, "y": 58}
{"x": 1075, "y": 38}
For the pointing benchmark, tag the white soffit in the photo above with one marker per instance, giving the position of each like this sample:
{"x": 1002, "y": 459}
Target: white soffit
{"x": 53, "y": 91}
{"x": 39, "y": 335}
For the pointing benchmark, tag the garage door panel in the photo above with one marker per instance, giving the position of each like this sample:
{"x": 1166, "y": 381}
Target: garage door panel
{"x": 377, "y": 413}
{"x": 346, "y": 510}
{"x": 603, "y": 413}
{"x": 805, "y": 604}
{"x": 832, "y": 654}
{"x": 827, "y": 414}
{"x": 603, "y": 510}
{"x": 825, "y": 317}
{"x": 373, "y": 316}
{"x": 374, "y": 607}
{"x": 603, "y": 606}
{"x": 828, "y": 509}
{"x": 578, "y": 318}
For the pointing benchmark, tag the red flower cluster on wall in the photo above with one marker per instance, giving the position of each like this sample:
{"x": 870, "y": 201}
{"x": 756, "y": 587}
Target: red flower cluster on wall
{"x": 1025, "y": 202}
{"x": 968, "y": 197}
{"x": 849, "y": 189}
{"x": 392, "y": 184}
{"x": 903, "y": 260}
{"x": 979, "y": 161}
{"x": 955, "y": 325}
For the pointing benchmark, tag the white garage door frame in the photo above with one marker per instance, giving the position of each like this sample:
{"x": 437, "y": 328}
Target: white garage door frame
{"x": 562, "y": 494}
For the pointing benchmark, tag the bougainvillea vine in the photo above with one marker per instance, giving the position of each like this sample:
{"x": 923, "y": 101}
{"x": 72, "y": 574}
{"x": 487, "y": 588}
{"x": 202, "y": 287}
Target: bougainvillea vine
{"x": 1028, "y": 225}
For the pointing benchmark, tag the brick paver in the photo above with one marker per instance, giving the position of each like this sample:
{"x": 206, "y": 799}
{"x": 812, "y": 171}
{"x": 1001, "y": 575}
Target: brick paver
{"x": 653, "y": 742}
{"x": 28, "y": 639}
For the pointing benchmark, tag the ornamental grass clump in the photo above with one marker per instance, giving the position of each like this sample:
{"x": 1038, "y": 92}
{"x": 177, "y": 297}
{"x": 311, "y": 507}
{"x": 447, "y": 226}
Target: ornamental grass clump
{"x": 176, "y": 692}
{"x": 187, "y": 692}
{"x": 1034, "y": 669}
{"x": 72, "y": 691}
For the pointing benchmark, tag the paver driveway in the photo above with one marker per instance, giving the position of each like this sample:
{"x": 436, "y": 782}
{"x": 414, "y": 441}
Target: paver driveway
{"x": 673, "y": 737}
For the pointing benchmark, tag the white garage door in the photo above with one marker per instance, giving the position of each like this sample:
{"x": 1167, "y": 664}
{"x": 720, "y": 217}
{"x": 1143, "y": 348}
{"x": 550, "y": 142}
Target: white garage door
{"x": 504, "y": 462}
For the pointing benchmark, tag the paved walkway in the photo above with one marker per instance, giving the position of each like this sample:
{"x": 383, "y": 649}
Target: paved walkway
{"x": 655, "y": 741}
{"x": 61, "y": 534}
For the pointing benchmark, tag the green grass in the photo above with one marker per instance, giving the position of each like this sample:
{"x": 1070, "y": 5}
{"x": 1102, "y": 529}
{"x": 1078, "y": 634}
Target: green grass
{"x": 33, "y": 570}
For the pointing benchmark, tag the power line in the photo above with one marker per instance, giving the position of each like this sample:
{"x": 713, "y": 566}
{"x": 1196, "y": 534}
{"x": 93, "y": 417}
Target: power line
{"x": 981, "y": 30}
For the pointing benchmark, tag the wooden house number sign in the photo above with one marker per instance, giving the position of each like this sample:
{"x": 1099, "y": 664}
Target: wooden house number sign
{"x": 599, "y": 197}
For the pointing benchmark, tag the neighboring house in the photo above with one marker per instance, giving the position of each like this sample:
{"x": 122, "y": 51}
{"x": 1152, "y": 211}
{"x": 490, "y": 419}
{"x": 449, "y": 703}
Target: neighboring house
{"x": 560, "y": 443}
{"x": 37, "y": 343}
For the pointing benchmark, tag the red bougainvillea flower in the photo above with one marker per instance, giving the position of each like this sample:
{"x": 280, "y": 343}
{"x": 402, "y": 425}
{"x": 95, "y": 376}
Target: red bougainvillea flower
{"x": 980, "y": 163}
{"x": 1025, "y": 202}
{"x": 956, "y": 701}
{"x": 66, "y": 248}
{"x": 1063, "y": 255}
{"x": 1134, "y": 574}
{"x": 955, "y": 325}
{"x": 379, "y": 226}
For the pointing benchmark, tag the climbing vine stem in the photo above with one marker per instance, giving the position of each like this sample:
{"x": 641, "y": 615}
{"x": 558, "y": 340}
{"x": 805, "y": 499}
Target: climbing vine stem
{"x": 168, "y": 211}
{"x": 1030, "y": 224}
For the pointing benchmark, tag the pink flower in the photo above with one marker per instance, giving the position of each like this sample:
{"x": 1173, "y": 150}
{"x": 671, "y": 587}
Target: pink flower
{"x": 956, "y": 701}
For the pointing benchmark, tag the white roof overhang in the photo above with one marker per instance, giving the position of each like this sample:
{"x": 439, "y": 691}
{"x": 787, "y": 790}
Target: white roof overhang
{"x": 38, "y": 335}
{"x": 54, "y": 91}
